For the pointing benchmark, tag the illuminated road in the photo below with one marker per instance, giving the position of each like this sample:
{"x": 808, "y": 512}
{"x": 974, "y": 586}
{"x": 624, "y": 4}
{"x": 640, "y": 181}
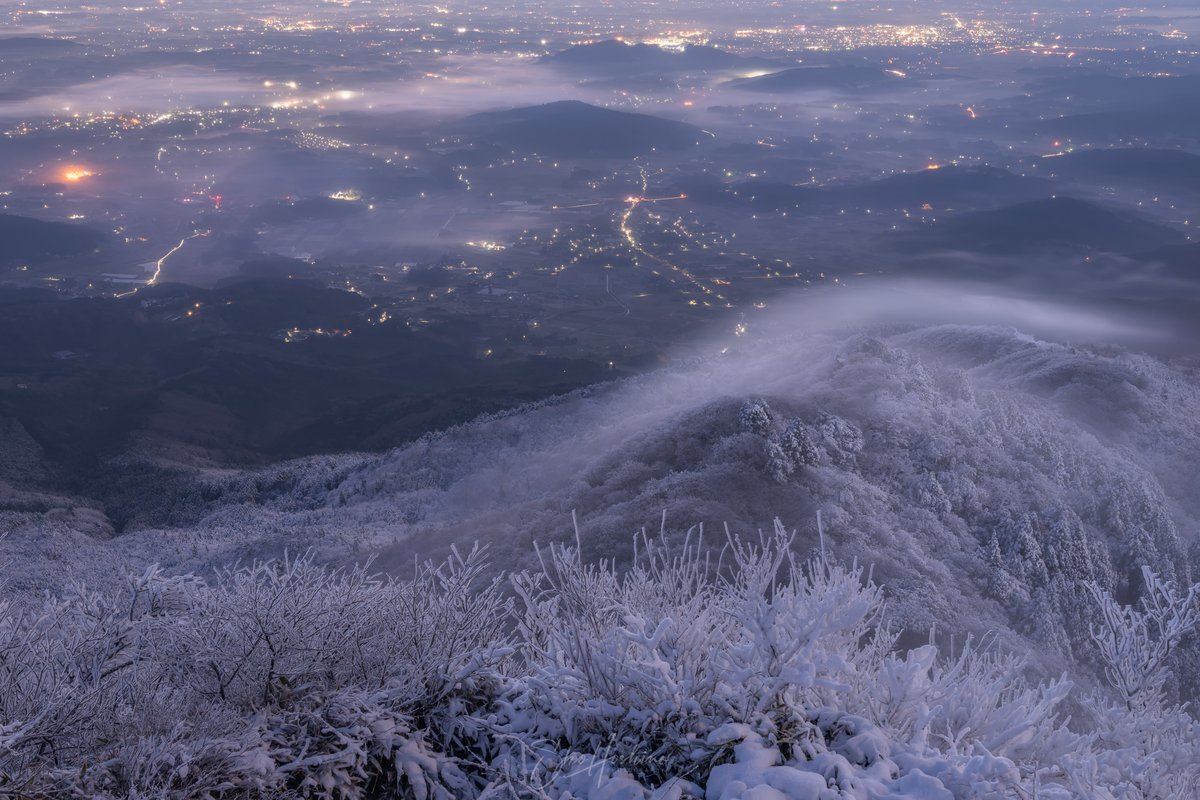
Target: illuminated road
{"x": 158, "y": 265}
{"x": 626, "y": 231}
{"x": 631, "y": 238}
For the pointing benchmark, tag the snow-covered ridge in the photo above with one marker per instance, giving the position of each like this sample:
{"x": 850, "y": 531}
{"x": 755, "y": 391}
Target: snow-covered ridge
{"x": 986, "y": 472}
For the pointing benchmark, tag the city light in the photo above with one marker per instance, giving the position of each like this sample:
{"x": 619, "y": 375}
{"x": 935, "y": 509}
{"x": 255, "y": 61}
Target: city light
{"x": 75, "y": 174}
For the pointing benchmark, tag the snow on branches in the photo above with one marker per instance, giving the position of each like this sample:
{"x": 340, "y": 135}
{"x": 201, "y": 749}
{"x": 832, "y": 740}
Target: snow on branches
{"x": 744, "y": 671}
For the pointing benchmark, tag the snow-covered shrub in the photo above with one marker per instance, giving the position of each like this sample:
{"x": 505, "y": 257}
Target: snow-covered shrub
{"x": 744, "y": 671}
{"x": 766, "y": 670}
{"x": 1147, "y": 746}
{"x": 281, "y": 677}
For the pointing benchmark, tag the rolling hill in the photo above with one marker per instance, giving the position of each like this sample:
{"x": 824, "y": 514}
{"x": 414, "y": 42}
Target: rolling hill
{"x": 1060, "y": 223}
{"x": 572, "y": 129}
{"x": 1176, "y": 170}
{"x": 948, "y": 186}
{"x": 35, "y": 240}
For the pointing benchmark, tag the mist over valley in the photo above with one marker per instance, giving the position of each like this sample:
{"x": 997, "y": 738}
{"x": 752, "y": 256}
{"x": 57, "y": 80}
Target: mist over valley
{"x": 631, "y": 400}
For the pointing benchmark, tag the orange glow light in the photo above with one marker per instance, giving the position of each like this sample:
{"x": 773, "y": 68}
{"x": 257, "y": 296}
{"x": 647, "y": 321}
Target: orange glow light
{"x": 76, "y": 174}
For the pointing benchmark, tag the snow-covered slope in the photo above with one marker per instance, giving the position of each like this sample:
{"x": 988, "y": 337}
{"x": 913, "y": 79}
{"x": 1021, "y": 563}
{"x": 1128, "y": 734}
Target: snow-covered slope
{"x": 996, "y": 484}
{"x": 985, "y": 474}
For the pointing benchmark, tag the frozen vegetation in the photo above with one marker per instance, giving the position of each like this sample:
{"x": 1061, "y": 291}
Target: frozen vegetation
{"x": 747, "y": 673}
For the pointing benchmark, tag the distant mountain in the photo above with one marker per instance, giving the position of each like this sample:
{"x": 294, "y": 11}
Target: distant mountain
{"x": 612, "y": 55}
{"x": 1173, "y": 169}
{"x": 1109, "y": 93}
{"x": 1153, "y": 125}
{"x": 571, "y": 129}
{"x": 1117, "y": 109}
{"x": 970, "y": 187}
{"x": 35, "y": 65}
{"x": 1061, "y": 222}
{"x": 843, "y": 77}
{"x": 947, "y": 186}
{"x": 35, "y": 240}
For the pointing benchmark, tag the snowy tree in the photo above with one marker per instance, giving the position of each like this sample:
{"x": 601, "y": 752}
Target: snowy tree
{"x": 756, "y": 417}
{"x": 789, "y": 451}
{"x": 798, "y": 445}
{"x": 841, "y": 438}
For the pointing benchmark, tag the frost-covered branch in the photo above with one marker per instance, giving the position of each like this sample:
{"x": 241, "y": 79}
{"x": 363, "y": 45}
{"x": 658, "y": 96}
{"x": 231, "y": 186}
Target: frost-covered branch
{"x": 754, "y": 672}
